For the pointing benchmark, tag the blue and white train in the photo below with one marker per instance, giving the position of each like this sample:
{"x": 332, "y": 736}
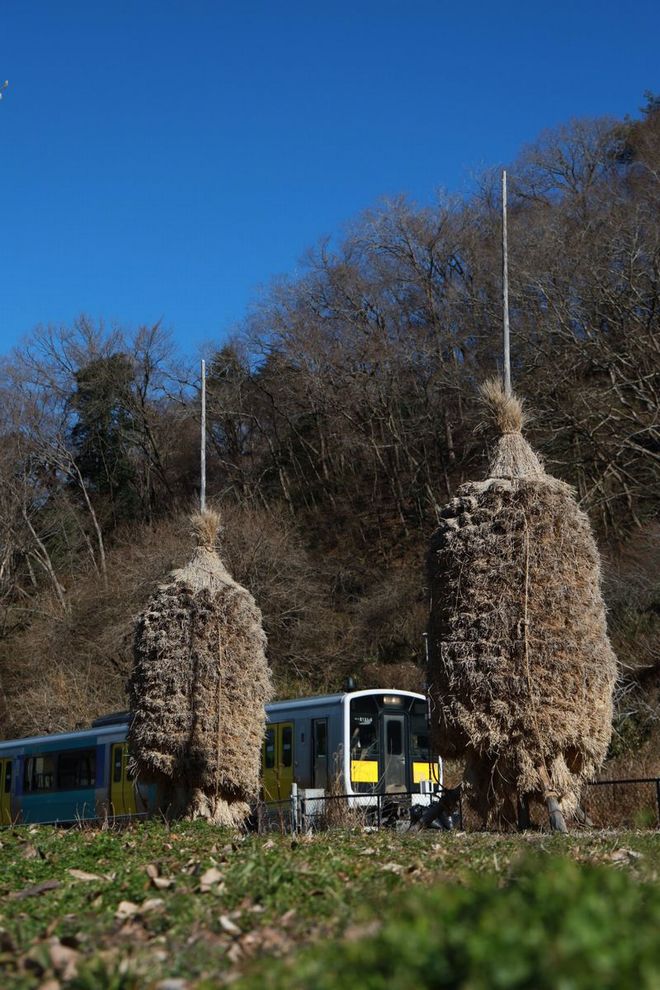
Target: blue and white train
{"x": 370, "y": 742}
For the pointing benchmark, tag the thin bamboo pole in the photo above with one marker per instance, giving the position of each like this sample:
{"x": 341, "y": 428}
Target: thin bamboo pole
{"x": 202, "y": 459}
{"x": 505, "y": 292}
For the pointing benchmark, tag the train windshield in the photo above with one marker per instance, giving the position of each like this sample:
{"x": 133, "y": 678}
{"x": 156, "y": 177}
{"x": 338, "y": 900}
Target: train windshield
{"x": 419, "y": 732}
{"x": 365, "y": 734}
{"x": 389, "y": 743}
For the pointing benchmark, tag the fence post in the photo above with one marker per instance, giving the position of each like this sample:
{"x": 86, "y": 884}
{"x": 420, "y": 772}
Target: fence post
{"x": 294, "y": 807}
{"x": 657, "y": 797}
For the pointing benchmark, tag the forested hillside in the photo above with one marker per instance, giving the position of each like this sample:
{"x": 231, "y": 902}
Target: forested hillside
{"x": 341, "y": 416}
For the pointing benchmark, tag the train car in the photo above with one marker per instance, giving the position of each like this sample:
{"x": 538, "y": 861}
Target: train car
{"x": 370, "y": 742}
{"x": 365, "y": 742}
{"x": 67, "y": 777}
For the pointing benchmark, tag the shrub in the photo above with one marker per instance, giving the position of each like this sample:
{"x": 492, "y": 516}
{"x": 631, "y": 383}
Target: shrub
{"x": 553, "y": 924}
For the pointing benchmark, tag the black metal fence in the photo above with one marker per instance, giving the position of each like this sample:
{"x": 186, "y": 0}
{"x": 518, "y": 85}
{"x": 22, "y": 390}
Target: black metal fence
{"x": 302, "y": 812}
{"x": 623, "y": 803}
{"x": 632, "y": 802}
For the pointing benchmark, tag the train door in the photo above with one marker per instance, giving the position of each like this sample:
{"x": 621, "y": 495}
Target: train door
{"x": 320, "y": 752}
{"x": 5, "y": 791}
{"x": 394, "y": 753}
{"x": 278, "y": 761}
{"x": 122, "y": 789}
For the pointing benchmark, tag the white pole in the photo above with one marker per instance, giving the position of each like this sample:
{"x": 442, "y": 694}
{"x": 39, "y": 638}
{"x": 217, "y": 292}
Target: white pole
{"x": 202, "y": 486}
{"x": 505, "y": 292}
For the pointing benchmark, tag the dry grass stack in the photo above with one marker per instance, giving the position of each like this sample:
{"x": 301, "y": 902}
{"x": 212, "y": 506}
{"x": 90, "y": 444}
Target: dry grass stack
{"x": 198, "y": 688}
{"x": 521, "y": 668}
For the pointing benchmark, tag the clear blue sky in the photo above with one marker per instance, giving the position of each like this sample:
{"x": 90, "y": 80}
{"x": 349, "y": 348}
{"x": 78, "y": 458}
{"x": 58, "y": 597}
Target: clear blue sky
{"x": 163, "y": 158}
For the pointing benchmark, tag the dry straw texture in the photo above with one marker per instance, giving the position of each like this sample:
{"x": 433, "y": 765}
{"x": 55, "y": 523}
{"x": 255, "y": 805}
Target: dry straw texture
{"x": 522, "y": 671}
{"x": 198, "y": 688}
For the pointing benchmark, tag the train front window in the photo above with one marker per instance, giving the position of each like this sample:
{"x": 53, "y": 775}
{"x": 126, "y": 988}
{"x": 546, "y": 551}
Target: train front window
{"x": 419, "y": 732}
{"x": 364, "y": 729}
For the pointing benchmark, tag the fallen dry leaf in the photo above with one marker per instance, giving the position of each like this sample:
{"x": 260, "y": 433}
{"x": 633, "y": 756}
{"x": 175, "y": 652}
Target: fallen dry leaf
{"x": 234, "y": 952}
{"x": 64, "y": 960}
{"x": 36, "y": 889}
{"x": 392, "y": 868}
{"x": 32, "y": 852}
{"x": 126, "y": 909}
{"x": 162, "y": 883}
{"x": 84, "y": 875}
{"x": 209, "y": 879}
{"x": 623, "y": 855}
{"x": 151, "y": 904}
{"x": 228, "y": 925}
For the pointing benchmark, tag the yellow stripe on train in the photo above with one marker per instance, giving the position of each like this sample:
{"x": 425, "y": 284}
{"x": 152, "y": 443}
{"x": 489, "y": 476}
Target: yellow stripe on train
{"x": 425, "y": 771}
{"x": 364, "y": 771}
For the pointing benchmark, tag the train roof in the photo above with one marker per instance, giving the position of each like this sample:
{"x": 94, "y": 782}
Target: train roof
{"x": 330, "y": 699}
{"x": 107, "y": 725}
{"x": 61, "y": 737}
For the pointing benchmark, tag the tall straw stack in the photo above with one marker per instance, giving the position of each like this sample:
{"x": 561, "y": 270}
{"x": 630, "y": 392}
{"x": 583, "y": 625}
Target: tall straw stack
{"x": 521, "y": 668}
{"x": 198, "y": 688}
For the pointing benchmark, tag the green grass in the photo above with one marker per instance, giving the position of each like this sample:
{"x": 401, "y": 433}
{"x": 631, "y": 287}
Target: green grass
{"x": 275, "y": 897}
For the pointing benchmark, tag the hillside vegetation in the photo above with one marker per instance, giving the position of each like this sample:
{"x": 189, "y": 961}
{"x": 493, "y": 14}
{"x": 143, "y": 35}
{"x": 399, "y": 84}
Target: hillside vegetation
{"x": 341, "y": 415}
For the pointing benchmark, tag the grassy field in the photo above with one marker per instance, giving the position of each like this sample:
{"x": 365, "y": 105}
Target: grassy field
{"x": 169, "y": 907}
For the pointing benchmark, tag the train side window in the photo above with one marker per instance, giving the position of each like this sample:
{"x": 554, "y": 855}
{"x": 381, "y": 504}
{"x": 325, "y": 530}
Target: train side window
{"x": 320, "y": 752}
{"x": 67, "y": 771}
{"x": 269, "y": 749}
{"x": 287, "y": 746}
{"x": 320, "y": 738}
{"x": 39, "y": 774}
{"x": 76, "y": 769}
{"x": 117, "y": 764}
{"x": 8, "y": 767}
{"x": 87, "y": 768}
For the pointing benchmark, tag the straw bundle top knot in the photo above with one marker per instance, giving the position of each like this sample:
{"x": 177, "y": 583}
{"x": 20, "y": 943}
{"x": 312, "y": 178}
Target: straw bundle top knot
{"x": 506, "y": 411}
{"x": 512, "y": 457}
{"x": 206, "y": 527}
